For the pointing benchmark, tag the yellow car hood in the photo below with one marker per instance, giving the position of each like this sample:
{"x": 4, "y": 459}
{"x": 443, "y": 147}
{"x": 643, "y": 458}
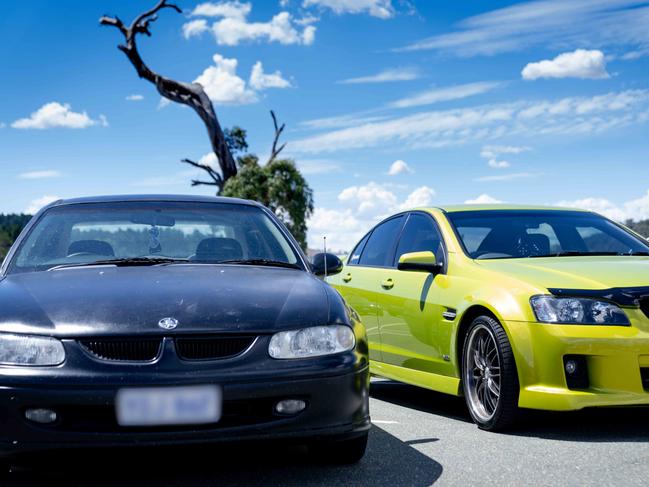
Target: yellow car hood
{"x": 575, "y": 272}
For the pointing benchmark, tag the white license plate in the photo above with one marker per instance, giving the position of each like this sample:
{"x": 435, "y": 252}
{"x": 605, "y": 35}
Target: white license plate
{"x": 157, "y": 406}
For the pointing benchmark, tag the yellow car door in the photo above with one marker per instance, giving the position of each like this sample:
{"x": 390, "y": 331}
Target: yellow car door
{"x": 359, "y": 282}
{"x": 409, "y": 314}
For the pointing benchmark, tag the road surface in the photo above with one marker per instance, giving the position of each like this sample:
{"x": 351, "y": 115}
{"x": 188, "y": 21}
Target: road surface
{"x": 419, "y": 438}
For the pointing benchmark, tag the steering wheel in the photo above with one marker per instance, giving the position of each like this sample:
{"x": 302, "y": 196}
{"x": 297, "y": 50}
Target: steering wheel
{"x": 79, "y": 254}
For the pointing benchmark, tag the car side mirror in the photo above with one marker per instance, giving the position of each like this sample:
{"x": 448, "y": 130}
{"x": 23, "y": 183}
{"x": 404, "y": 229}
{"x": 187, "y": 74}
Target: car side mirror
{"x": 328, "y": 264}
{"x": 419, "y": 261}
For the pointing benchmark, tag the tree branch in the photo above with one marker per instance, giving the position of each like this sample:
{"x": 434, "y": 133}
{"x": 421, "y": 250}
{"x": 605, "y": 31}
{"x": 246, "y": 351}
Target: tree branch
{"x": 274, "y": 152}
{"x": 190, "y": 94}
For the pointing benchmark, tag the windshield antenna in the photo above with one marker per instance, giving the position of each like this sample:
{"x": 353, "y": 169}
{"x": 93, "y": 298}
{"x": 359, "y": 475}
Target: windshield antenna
{"x": 325, "y": 257}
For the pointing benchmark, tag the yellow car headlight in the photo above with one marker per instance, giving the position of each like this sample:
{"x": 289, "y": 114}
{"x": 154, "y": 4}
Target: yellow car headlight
{"x": 577, "y": 311}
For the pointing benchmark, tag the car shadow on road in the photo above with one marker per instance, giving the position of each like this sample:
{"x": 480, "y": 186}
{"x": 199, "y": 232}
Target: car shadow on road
{"x": 388, "y": 462}
{"x": 423, "y": 400}
{"x": 596, "y": 425}
{"x": 620, "y": 424}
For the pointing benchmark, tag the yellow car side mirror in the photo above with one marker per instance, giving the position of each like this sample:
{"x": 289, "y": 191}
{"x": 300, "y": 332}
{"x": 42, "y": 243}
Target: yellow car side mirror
{"x": 419, "y": 261}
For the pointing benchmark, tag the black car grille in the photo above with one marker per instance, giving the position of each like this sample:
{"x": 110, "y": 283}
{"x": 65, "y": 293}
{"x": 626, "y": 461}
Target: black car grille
{"x": 211, "y": 348}
{"x": 148, "y": 349}
{"x": 127, "y": 349}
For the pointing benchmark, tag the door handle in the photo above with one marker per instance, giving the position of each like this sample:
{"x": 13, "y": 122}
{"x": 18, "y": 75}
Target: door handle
{"x": 347, "y": 277}
{"x": 387, "y": 283}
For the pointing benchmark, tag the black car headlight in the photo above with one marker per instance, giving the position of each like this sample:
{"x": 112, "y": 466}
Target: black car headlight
{"x": 30, "y": 350}
{"x": 314, "y": 341}
{"x": 577, "y": 311}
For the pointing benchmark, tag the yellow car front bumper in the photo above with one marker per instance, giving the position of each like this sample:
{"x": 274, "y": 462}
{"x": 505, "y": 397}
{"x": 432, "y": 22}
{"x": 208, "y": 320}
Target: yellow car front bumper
{"x": 617, "y": 358}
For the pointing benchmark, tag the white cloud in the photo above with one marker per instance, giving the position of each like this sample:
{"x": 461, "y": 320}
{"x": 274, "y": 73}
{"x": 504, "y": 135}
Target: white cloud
{"x": 564, "y": 117}
{"x": 232, "y": 26}
{"x": 483, "y": 199}
{"x": 340, "y": 121}
{"x": 385, "y": 76}
{"x": 437, "y": 95}
{"x": 577, "y": 64}
{"x": 341, "y": 227}
{"x": 399, "y": 167}
{"x": 209, "y": 160}
{"x": 46, "y": 174}
{"x": 509, "y": 177}
{"x": 635, "y": 54}
{"x": 420, "y": 197}
{"x": 498, "y": 164}
{"x": 361, "y": 208}
{"x": 135, "y": 97}
{"x": 547, "y": 23}
{"x": 57, "y": 115}
{"x": 222, "y": 84}
{"x": 635, "y": 209}
{"x": 377, "y": 8}
{"x": 195, "y": 28}
{"x": 371, "y": 199}
{"x": 2, "y": 125}
{"x": 318, "y": 166}
{"x": 38, "y": 203}
{"x": 492, "y": 153}
{"x": 261, "y": 81}
{"x": 234, "y": 9}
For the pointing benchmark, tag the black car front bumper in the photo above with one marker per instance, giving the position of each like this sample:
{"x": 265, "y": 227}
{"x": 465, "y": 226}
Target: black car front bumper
{"x": 334, "y": 388}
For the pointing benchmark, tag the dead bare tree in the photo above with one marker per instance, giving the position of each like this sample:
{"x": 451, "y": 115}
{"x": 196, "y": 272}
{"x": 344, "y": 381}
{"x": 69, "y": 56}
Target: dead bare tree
{"x": 274, "y": 152}
{"x": 190, "y": 94}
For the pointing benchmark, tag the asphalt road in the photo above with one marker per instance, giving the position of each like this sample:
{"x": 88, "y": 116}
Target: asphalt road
{"x": 419, "y": 438}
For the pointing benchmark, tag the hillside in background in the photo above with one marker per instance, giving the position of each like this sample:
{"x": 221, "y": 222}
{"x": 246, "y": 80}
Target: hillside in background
{"x": 11, "y": 225}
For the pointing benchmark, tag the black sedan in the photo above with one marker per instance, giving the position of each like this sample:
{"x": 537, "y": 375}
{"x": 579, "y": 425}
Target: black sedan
{"x": 155, "y": 320}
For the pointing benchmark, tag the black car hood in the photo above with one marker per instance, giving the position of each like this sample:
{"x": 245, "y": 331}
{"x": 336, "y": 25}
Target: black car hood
{"x": 109, "y": 300}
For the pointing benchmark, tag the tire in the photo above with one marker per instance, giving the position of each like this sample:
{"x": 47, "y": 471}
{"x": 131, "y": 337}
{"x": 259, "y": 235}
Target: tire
{"x": 344, "y": 452}
{"x": 489, "y": 376}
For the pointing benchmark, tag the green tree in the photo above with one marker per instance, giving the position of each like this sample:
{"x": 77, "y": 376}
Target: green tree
{"x": 280, "y": 186}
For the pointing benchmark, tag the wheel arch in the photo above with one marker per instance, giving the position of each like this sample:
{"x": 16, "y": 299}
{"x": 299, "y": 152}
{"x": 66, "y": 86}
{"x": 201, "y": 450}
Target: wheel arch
{"x": 467, "y": 317}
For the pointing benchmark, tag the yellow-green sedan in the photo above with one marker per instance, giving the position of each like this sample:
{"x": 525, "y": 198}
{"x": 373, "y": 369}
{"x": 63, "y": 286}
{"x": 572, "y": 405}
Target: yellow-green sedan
{"x": 512, "y": 307}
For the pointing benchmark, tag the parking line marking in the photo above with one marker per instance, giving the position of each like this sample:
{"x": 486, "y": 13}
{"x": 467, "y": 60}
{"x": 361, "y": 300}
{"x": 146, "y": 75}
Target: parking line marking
{"x": 378, "y": 421}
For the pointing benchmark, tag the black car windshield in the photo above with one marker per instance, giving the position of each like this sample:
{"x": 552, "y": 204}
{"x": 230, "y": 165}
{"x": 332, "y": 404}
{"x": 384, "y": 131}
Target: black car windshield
{"x": 152, "y": 232}
{"x": 507, "y": 234}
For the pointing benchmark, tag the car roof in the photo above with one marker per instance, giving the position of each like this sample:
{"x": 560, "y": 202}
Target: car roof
{"x": 153, "y": 197}
{"x": 487, "y": 207}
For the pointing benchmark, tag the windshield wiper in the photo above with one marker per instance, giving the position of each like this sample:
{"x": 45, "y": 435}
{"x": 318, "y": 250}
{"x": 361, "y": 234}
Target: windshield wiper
{"x": 123, "y": 262}
{"x": 633, "y": 254}
{"x": 575, "y": 253}
{"x": 265, "y": 262}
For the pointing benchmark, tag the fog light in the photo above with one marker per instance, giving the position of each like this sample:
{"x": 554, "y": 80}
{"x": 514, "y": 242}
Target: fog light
{"x": 43, "y": 416}
{"x": 571, "y": 367}
{"x": 576, "y": 367}
{"x": 290, "y": 406}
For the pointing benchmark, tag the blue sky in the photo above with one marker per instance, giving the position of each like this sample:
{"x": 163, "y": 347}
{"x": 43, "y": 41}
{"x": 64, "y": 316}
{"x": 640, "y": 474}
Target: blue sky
{"x": 388, "y": 103}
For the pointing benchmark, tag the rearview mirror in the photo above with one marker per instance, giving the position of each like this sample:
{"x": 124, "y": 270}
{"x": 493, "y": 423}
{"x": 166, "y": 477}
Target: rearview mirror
{"x": 153, "y": 219}
{"x": 328, "y": 264}
{"x": 419, "y": 261}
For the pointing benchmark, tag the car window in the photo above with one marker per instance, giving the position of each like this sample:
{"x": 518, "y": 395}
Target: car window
{"x": 545, "y": 237}
{"x": 502, "y": 234}
{"x": 355, "y": 255}
{"x": 380, "y": 247}
{"x": 199, "y": 232}
{"x": 420, "y": 234}
{"x": 596, "y": 239}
